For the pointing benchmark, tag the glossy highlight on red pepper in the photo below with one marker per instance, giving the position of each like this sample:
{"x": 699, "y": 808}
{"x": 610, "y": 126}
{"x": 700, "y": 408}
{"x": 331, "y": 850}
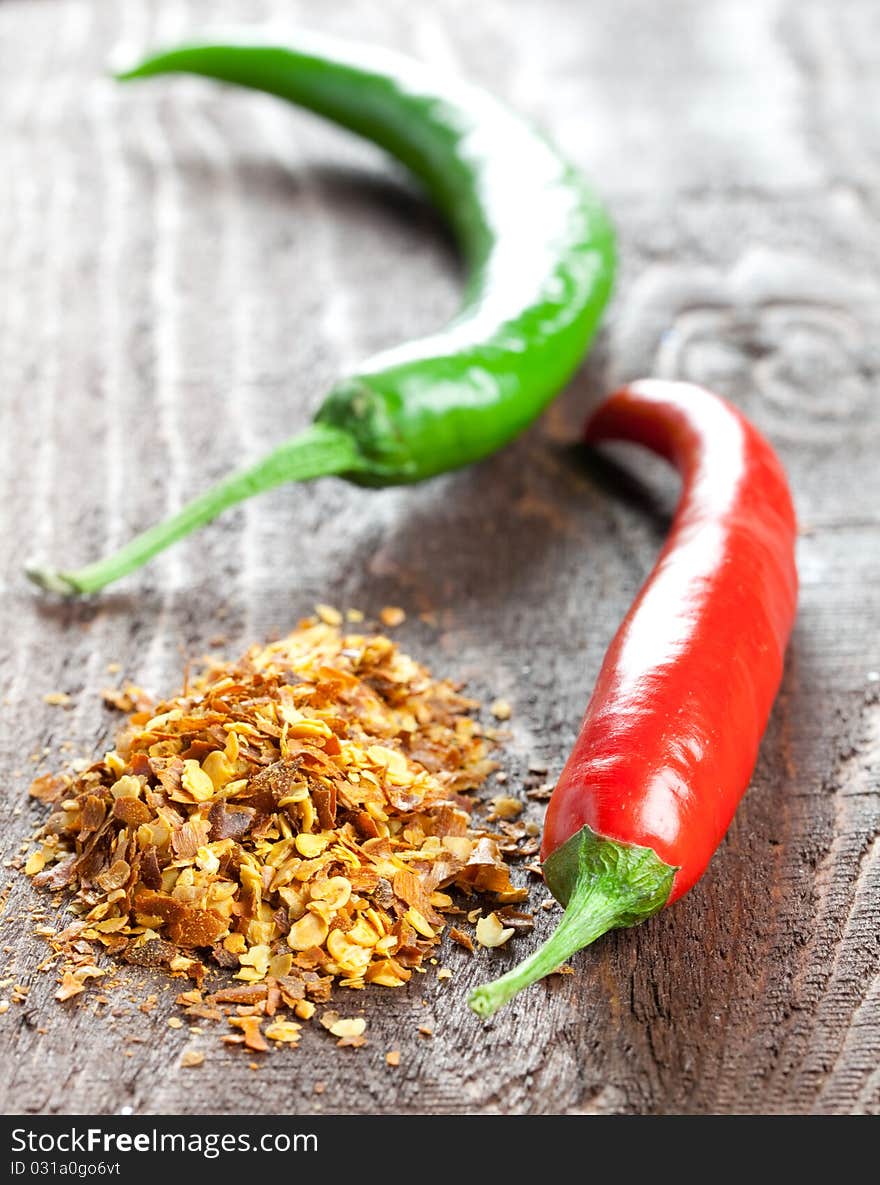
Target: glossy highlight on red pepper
{"x": 671, "y": 734}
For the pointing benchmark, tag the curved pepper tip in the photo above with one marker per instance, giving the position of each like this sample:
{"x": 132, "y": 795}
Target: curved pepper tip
{"x": 122, "y": 65}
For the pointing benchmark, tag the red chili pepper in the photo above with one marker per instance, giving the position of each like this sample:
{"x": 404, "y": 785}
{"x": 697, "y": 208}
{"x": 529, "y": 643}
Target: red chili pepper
{"x": 671, "y": 733}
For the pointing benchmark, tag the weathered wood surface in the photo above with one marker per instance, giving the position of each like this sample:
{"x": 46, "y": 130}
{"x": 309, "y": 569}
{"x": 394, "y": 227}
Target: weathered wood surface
{"x": 184, "y": 270}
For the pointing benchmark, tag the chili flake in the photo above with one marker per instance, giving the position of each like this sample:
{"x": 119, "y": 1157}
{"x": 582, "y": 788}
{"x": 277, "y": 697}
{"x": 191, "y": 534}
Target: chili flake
{"x": 501, "y": 709}
{"x": 295, "y": 817}
{"x": 490, "y": 931}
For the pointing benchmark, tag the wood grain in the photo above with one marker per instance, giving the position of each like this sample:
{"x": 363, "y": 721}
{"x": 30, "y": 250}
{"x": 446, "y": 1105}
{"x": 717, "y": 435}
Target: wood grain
{"x": 183, "y": 271}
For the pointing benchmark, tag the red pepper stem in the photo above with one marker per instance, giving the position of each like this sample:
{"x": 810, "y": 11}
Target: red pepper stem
{"x": 321, "y": 450}
{"x": 604, "y": 885}
{"x": 587, "y": 917}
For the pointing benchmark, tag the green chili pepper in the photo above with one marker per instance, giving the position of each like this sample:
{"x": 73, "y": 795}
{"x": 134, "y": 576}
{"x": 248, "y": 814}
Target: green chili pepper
{"x": 539, "y": 250}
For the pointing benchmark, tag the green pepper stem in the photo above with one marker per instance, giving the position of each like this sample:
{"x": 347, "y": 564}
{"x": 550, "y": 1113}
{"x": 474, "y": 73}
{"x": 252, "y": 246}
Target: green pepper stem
{"x": 605, "y": 884}
{"x": 321, "y": 450}
{"x": 587, "y": 917}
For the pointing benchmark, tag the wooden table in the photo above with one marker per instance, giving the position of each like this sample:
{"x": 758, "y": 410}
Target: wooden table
{"x": 185, "y": 270}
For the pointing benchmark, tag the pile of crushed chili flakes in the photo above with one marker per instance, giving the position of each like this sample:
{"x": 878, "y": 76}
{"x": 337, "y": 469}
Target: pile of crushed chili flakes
{"x": 296, "y": 818}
